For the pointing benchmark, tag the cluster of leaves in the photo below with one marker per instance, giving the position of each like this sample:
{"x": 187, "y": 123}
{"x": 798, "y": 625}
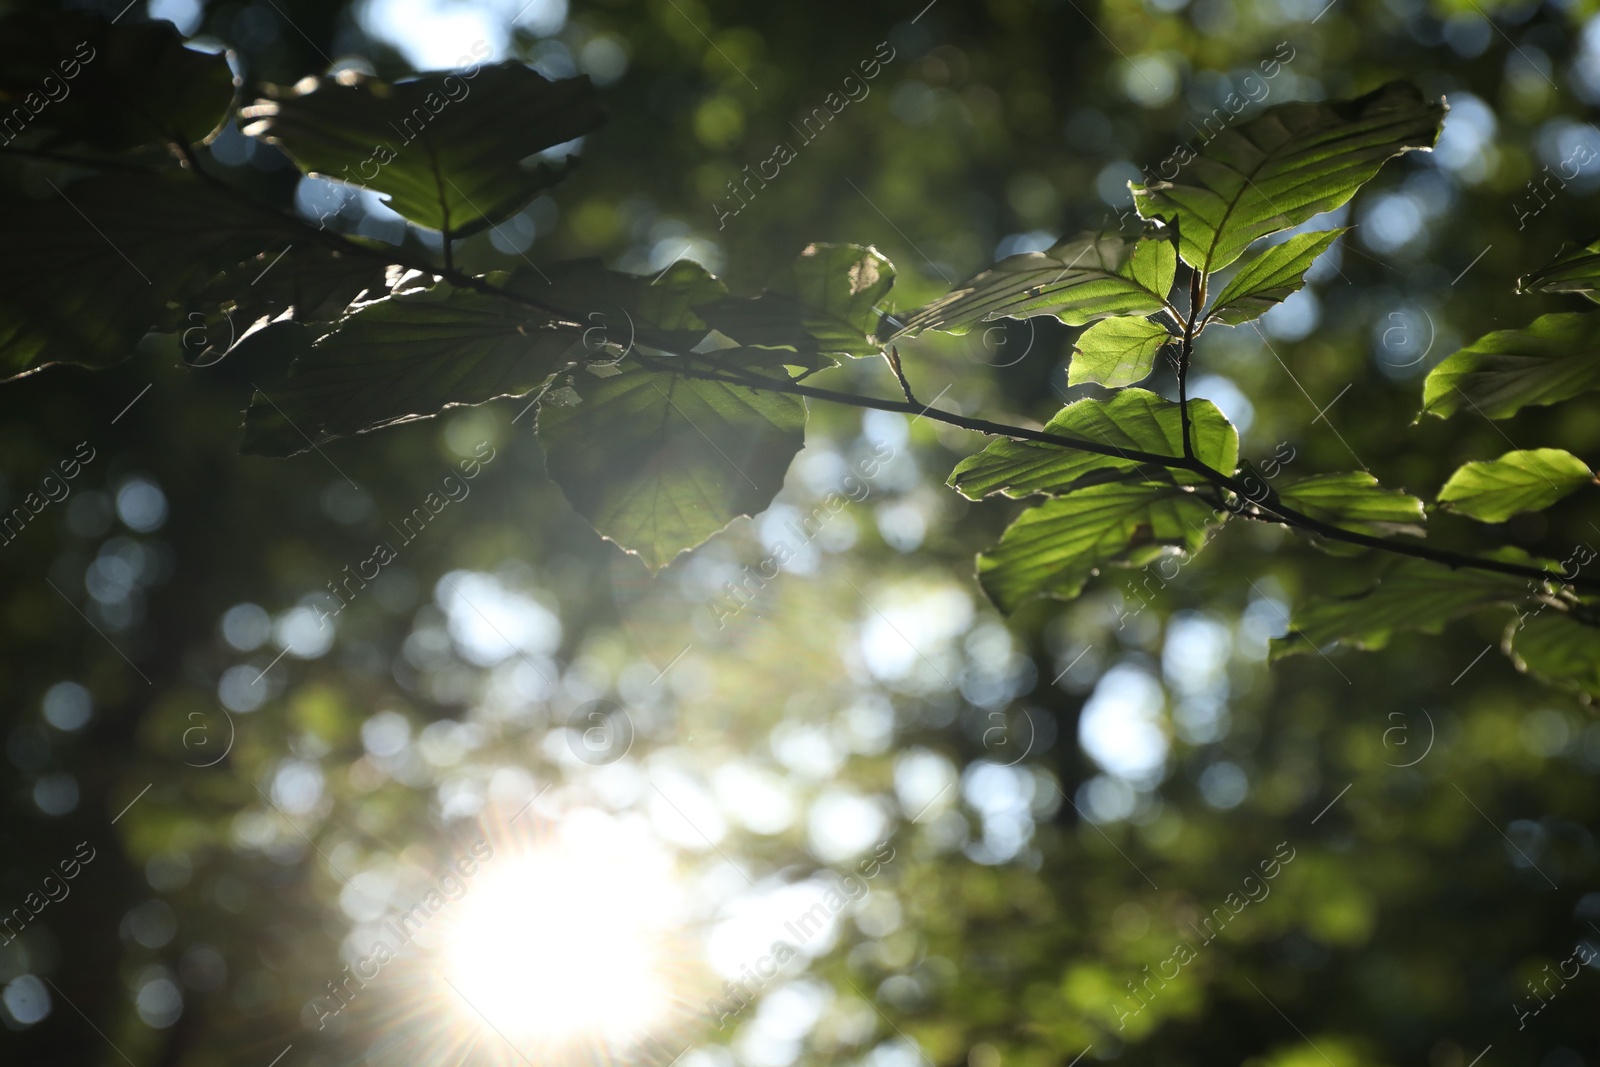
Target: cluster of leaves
{"x": 1554, "y": 358}
{"x": 649, "y": 445}
{"x": 668, "y": 406}
{"x": 1122, "y": 506}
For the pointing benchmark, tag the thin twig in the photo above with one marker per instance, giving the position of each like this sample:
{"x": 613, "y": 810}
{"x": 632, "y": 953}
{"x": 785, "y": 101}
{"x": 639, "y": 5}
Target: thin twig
{"x": 1196, "y": 298}
{"x": 892, "y": 354}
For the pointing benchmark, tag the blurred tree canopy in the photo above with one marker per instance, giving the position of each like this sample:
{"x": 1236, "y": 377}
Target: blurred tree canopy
{"x": 256, "y": 704}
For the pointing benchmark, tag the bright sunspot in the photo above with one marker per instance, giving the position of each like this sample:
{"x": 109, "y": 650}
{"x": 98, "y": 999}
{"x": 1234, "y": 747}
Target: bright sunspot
{"x": 565, "y": 939}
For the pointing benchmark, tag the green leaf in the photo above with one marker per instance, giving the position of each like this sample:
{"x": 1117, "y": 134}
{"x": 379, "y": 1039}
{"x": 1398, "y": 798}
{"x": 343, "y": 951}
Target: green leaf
{"x": 1054, "y": 548}
{"x": 1276, "y": 171}
{"x": 1079, "y": 280}
{"x": 824, "y": 302}
{"x": 445, "y": 148}
{"x": 1526, "y": 480}
{"x": 97, "y": 264}
{"x": 121, "y": 87}
{"x": 1134, "y": 419}
{"x": 1554, "y": 358}
{"x": 1117, "y": 352}
{"x": 301, "y": 282}
{"x": 404, "y": 358}
{"x": 658, "y": 462}
{"x": 411, "y": 355}
{"x": 1270, "y": 278}
{"x": 1559, "y": 649}
{"x": 616, "y": 310}
{"x": 1576, "y": 271}
{"x": 1355, "y": 501}
{"x": 1414, "y": 595}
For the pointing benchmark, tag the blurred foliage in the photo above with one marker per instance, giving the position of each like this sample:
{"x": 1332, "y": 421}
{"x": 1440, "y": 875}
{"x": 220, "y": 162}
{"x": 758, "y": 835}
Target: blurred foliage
{"x": 1440, "y": 806}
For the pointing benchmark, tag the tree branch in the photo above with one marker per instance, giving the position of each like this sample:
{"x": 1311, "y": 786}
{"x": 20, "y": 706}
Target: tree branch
{"x": 1187, "y": 462}
{"x": 892, "y": 354}
{"x": 1279, "y": 512}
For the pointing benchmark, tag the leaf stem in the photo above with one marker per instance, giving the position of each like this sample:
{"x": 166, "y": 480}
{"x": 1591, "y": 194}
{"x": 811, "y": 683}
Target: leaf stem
{"x": 892, "y": 354}
{"x": 1186, "y": 353}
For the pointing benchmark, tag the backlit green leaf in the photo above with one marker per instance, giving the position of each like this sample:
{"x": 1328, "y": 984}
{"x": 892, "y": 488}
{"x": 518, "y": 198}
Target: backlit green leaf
{"x": 1276, "y": 171}
{"x": 1413, "y": 595}
{"x": 1270, "y": 278}
{"x": 1355, "y": 501}
{"x": 1079, "y": 280}
{"x": 1558, "y": 648}
{"x": 824, "y": 302}
{"x": 1575, "y": 271}
{"x": 1555, "y": 358}
{"x": 659, "y": 462}
{"x": 1526, "y": 480}
{"x": 1132, "y": 419}
{"x": 1054, "y": 548}
{"x": 445, "y": 148}
{"x": 404, "y": 358}
{"x": 1117, "y": 352}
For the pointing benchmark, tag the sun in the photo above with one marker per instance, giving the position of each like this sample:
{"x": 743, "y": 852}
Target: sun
{"x": 565, "y": 940}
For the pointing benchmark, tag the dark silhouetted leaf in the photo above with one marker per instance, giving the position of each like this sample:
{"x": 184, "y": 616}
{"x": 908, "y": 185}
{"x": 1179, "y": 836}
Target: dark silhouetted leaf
{"x": 616, "y": 310}
{"x": 99, "y": 263}
{"x": 447, "y": 149}
{"x": 403, "y": 358}
{"x": 1575, "y": 271}
{"x": 304, "y": 282}
{"x": 77, "y": 79}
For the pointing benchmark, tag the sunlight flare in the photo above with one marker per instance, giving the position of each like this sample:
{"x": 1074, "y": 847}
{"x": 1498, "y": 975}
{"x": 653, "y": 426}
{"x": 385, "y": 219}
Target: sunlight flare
{"x": 565, "y": 939}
